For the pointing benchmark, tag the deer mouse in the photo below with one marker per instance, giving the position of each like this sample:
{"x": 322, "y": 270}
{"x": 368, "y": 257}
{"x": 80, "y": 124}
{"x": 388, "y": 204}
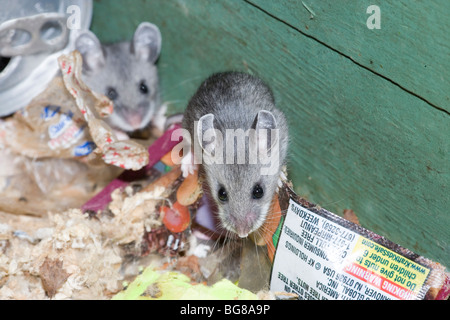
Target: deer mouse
{"x": 243, "y": 141}
{"x": 126, "y": 73}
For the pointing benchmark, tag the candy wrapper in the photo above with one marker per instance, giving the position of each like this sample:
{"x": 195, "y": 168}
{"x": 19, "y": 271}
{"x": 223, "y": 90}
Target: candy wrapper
{"x": 320, "y": 255}
{"x": 50, "y": 126}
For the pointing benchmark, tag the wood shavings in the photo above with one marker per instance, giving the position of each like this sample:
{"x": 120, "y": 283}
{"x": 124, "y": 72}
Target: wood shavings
{"x": 90, "y": 262}
{"x": 52, "y": 275}
{"x": 133, "y": 215}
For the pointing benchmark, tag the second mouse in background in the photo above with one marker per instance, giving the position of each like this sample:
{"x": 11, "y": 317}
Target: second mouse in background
{"x": 126, "y": 73}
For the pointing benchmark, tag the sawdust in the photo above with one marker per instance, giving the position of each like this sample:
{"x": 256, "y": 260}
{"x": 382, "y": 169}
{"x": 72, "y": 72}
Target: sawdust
{"x": 133, "y": 215}
{"x": 69, "y": 255}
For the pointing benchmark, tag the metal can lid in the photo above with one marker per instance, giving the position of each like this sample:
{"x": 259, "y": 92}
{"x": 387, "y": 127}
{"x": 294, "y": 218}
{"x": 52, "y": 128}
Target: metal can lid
{"x": 36, "y": 33}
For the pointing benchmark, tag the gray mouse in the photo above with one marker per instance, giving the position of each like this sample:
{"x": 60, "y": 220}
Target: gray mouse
{"x": 126, "y": 73}
{"x": 225, "y": 106}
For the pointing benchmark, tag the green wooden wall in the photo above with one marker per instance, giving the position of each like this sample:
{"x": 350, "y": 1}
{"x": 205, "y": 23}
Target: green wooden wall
{"x": 368, "y": 108}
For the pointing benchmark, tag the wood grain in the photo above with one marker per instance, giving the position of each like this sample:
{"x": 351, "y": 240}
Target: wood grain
{"x": 411, "y": 48}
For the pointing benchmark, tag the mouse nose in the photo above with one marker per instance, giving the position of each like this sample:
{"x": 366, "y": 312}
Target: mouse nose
{"x": 134, "y": 117}
{"x": 241, "y": 232}
{"x": 245, "y": 225}
{"x": 135, "y": 120}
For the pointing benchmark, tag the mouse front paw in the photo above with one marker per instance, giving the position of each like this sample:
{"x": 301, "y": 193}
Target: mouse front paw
{"x": 187, "y": 165}
{"x": 188, "y": 169}
{"x": 160, "y": 118}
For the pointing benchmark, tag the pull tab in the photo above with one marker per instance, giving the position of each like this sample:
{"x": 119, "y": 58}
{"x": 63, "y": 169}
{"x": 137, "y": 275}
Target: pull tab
{"x": 45, "y": 32}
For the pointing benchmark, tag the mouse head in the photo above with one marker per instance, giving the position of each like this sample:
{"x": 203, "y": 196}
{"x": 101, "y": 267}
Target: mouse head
{"x": 241, "y": 170}
{"x": 126, "y": 73}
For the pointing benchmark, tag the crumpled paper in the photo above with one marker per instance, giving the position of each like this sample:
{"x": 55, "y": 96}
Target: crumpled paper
{"x": 51, "y": 126}
{"x": 65, "y": 122}
{"x": 126, "y": 154}
{"x": 57, "y": 151}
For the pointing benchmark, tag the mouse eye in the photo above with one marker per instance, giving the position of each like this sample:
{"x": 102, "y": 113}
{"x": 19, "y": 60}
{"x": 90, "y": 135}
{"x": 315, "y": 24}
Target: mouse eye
{"x": 222, "y": 194}
{"x": 143, "y": 87}
{"x": 258, "y": 192}
{"x": 111, "y": 93}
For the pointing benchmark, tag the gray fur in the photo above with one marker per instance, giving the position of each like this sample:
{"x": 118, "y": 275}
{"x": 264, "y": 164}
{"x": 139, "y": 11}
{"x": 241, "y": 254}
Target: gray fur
{"x": 123, "y": 66}
{"x": 238, "y": 100}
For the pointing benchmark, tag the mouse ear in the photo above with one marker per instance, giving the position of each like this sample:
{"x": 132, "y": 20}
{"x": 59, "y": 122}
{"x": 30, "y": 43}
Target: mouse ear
{"x": 146, "y": 44}
{"x": 91, "y": 50}
{"x": 205, "y": 131}
{"x": 267, "y": 131}
{"x": 265, "y": 120}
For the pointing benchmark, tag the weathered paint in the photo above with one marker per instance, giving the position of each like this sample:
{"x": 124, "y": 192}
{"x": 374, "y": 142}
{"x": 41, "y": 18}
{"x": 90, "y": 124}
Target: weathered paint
{"x": 369, "y": 127}
{"x": 411, "y": 48}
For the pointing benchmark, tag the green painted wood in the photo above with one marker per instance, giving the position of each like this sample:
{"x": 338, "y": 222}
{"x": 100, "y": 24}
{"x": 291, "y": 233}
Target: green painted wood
{"x": 411, "y": 48}
{"x": 358, "y": 140}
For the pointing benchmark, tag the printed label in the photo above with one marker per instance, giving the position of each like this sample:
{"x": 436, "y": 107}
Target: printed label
{"x": 67, "y": 138}
{"x": 65, "y": 120}
{"x": 319, "y": 259}
{"x": 49, "y": 112}
{"x": 84, "y": 149}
